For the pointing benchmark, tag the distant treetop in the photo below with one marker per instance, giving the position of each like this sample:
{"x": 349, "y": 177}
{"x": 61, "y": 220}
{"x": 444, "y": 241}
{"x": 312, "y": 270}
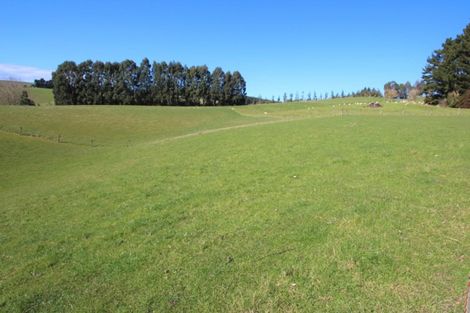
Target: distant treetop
{"x": 42, "y": 83}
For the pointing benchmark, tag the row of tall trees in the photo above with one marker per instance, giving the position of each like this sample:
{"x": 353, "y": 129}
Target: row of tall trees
{"x": 146, "y": 84}
{"x": 447, "y": 73}
{"x": 394, "y": 90}
{"x": 365, "y": 92}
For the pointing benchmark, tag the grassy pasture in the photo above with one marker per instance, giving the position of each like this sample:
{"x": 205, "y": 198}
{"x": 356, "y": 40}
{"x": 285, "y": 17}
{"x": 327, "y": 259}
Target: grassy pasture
{"x": 115, "y": 125}
{"x": 306, "y": 207}
{"x": 40, "y": 96}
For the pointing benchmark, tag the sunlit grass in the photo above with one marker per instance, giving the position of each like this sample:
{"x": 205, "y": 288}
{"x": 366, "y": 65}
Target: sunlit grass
{"x": 323, "y": 209}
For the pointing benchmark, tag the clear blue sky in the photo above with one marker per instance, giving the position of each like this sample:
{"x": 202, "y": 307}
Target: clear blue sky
{"x": 278, "y": 46}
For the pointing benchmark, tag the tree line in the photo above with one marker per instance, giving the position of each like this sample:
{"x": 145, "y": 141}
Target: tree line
{"x": 394, "y": 90}
{"x": 42, "y": 83}
{"x": 447, "y": 73}
{"x": 365, "y": 92}
{"x": 146, "y": 84}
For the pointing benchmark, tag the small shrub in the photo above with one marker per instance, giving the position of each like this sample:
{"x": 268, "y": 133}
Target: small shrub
{"x": 25, "y": 100}
{"x": 453, "y": 99}
{"x": 464, "y": 100}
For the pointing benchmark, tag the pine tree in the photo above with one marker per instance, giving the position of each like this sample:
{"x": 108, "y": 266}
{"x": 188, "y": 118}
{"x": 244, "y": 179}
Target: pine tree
{"x": 447, "y": 73}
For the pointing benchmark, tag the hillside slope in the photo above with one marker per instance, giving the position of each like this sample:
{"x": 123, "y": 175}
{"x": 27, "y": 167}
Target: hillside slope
{"x": 324, "y": 207}
{"x": 40, "y": 96}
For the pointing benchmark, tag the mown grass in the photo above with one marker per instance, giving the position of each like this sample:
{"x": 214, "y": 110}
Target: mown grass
{"x": 323, "y": 210}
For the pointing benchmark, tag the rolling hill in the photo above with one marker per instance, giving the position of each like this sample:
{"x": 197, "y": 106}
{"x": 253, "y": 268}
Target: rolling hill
{"x": 321, "y": 206}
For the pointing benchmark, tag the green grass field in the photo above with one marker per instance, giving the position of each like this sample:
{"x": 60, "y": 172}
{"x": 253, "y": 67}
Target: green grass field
{"x": 306, "y": 207}
{"x": 40, "y": 96}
